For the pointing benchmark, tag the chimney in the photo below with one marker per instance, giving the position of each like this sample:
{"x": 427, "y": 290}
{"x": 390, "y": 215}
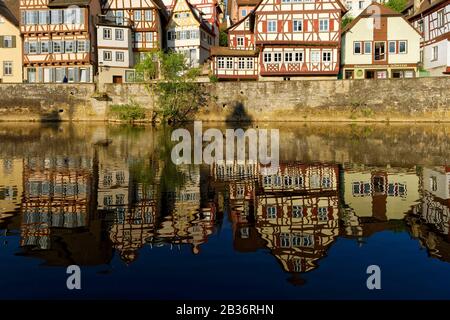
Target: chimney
{"x": 417, "y": 4}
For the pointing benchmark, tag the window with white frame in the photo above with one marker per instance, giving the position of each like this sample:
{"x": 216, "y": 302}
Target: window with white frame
{"x": 434, "y": 53}
{"x": 244, "y": 12}
{"x": 299, "y": 57}
{"x": 7, "y": 41}
{"x": 107, "y": 34}
{"x": 240, "y": 41}
{"x": 440, "y": 18}
{"x": 241, "y": 63}
{"x": 357, "y": 47}
{"x": 107, "y": 55}
{"x": 288, "y": 57}
{"x": 149, "y": 37}
{"x": 7, "y": 68}
{"x": 271, "y": 212}
{"x": 315, "y": 56}
{"x": 267, "y": 57}
{"x": 138, "y": 37}
{"x": 392, "y": 47}
{"x": 120, "y": 56}
{"x": 367, "y": 47}
{"x": 297, "y": 211}
{"x": 148, "y": 15}
{"x": 297, "y": 25}
{"x": 249, "y": 63}
{"x": 402, "y": 47}
{"x": 82, "y": 46}
{"x": 277, "y": 57}
{"x": 58, "y": 46}
{"x": 220, "y": 63}
{"x": 326, "y": 56}
{"x": 33, "y": 47}
{"x": 70, "y": 46}
{"x": 324, "y": 25}
{"x": 229, "y": 63}
{"x": 137, "y": 15}
{"x": 119, "y": 35}
{"x": 45, "y": 46}
{"x": 272, "y": 26}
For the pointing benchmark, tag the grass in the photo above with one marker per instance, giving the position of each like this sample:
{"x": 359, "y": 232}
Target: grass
{"x": 128, "y": 112}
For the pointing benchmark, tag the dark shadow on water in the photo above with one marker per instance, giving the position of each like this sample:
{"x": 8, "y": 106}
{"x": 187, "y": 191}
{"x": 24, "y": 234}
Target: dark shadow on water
{"x": 53, "y": 116}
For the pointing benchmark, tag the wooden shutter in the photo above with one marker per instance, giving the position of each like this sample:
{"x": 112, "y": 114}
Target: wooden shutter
{"x": 315, "y": 25}
{"x": 14, "y": 42}
{"x": 331, "y": 24}
{"x": 305, "y": 25}
{"x": 2, "y": 38}
{"x": 26, "y": 47}
{"x": 280, "y": 25}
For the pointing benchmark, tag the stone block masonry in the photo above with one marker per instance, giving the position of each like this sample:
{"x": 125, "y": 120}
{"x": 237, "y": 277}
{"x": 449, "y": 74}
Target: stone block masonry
{"x": 419, "y": 99}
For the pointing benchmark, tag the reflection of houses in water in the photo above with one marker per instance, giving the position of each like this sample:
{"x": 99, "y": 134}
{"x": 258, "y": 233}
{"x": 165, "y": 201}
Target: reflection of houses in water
{"x": 375, "y": 196}
{"x": 56, "y": 195}
{"x": 130, "y": 207}
{"x": 11, "y": 187}
{"x": 429, "y": 220}
{"x": 187, "y": 222}
{"x": 299, "y": 224}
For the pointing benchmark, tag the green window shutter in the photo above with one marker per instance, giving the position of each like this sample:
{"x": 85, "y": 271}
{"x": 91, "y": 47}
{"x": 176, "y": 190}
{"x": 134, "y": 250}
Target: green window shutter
{"x": 1, "y": 41}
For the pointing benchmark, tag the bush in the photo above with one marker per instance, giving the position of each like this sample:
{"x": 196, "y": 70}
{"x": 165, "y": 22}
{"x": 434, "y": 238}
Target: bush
{"x": 128, "y": 112}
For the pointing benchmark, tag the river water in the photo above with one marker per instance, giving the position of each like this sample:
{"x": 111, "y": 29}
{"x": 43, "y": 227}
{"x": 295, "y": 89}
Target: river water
{"x": 109, "y": 199}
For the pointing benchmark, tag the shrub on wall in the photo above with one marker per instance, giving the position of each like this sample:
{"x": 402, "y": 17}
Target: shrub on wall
{"x": 128, "y": 112}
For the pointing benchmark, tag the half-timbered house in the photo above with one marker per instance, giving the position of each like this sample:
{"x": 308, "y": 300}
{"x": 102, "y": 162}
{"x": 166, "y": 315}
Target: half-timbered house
{"x": 189, "y": 33}
{"x": 239, "y": 9}
{"x": 380, "y": 48}
{"x": 432, "y": 19}
{"x": 59, "y": 40}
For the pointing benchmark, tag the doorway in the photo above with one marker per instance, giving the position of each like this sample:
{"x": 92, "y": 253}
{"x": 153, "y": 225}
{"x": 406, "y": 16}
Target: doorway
{"x": 380, "y": 51}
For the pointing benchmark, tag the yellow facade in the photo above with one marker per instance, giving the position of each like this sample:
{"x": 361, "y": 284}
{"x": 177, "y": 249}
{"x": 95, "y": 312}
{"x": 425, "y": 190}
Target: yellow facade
{"x": 10, "y": 52}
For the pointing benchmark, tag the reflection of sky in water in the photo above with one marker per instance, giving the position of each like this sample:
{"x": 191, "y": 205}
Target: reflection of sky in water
{"x": 141, "y": 227}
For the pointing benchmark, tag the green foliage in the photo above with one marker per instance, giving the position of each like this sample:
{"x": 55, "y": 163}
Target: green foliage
{"x": 396, "y": 5}
{"x": 177, "y": 93}
{"x": 223, "y": 38}
{"x": 213, "y": 78}
{"x": 147, "y": 68}
{"x": 128, "y": 112}
{"x": 346, "y": 21}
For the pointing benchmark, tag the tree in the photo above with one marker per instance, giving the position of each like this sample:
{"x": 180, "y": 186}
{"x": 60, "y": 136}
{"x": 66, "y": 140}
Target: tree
{"x": 346, "y": 21}
{"x": 176, "y": 92}
{"x": 397, "y": 5}
{"x": 223, "y": 38}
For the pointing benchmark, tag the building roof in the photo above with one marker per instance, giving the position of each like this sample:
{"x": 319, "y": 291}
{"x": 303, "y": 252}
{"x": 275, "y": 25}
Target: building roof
{"x": 425, "y": 5}
{"x": 250, "y": 16}
{"x": 66, "y": 3}
{"x": 9, "y": 9}
{"x": 225, "y": 51}
{"x": 197, "y": 15}
{"x": 375, "y": 7}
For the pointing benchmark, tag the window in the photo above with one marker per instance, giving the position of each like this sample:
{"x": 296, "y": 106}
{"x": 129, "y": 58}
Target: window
{"x": 70, "y": 46}
{"x": 349, "y": 4}
{"x": 7, "y": 68}
{"x": 272, "y": 26}
{"x": 288, "y": 57}
{"x": 402, "y": 47}
{"x": 315, "y": 56}
{"x": 361, "y": 4}
{"x": 244, "y": 12}
{"x": 71, "y": 75}
{"x": 137, "y": 15}
{"x": 240, "y": 41}
{"x": 420, "y": 25}
{"x": 434, "y": 53}
{"x": 149, "y": 37}
{"x": 56, "y": 16}
{"x": 73, "y": 16}
{"x": 323, "y": 25}
{"x": 45, "y": 46}
{"x": 32, "y": 17}
{"x": 107, "y": 34}
{"x": 82, "y": 46}
{"x": 277, "y": 57}
{"x": 7, "y": 41}
{"x": 297, "y": 25}
{"x": 59, "y": 74}
{"x": 44, "y": 17}
{"x": 433, "y": 183}
{"x": 58, "y": 47}
{"x": 119, "y": 34}
{"x": 148, "y": 15}
{"x": 380, "y": 51}
{"x": 299, "y": 56}
{"x": 326, "y": 56}
{"x": 249, "y": 63}
{"x": 33, "y": 47}
{"x": 367, "y": 47}
{"x": 138, "y": 37}
{"x": 220, "y": 63}
{"x": 392, "y": 47}
{"x": 171, "y": 35}
{"x": 440, "y": 18}
{"x": 120, "y": 56}
{"x": 271, "y": 212}
{"x": 357, "y": 47}
{"x": 267, "y": 57}
{"x": 229, "y": 63}
{"x": 297, "y": 211}
{"x": 107, "y": 55}
{"x": 241, "y": 63}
